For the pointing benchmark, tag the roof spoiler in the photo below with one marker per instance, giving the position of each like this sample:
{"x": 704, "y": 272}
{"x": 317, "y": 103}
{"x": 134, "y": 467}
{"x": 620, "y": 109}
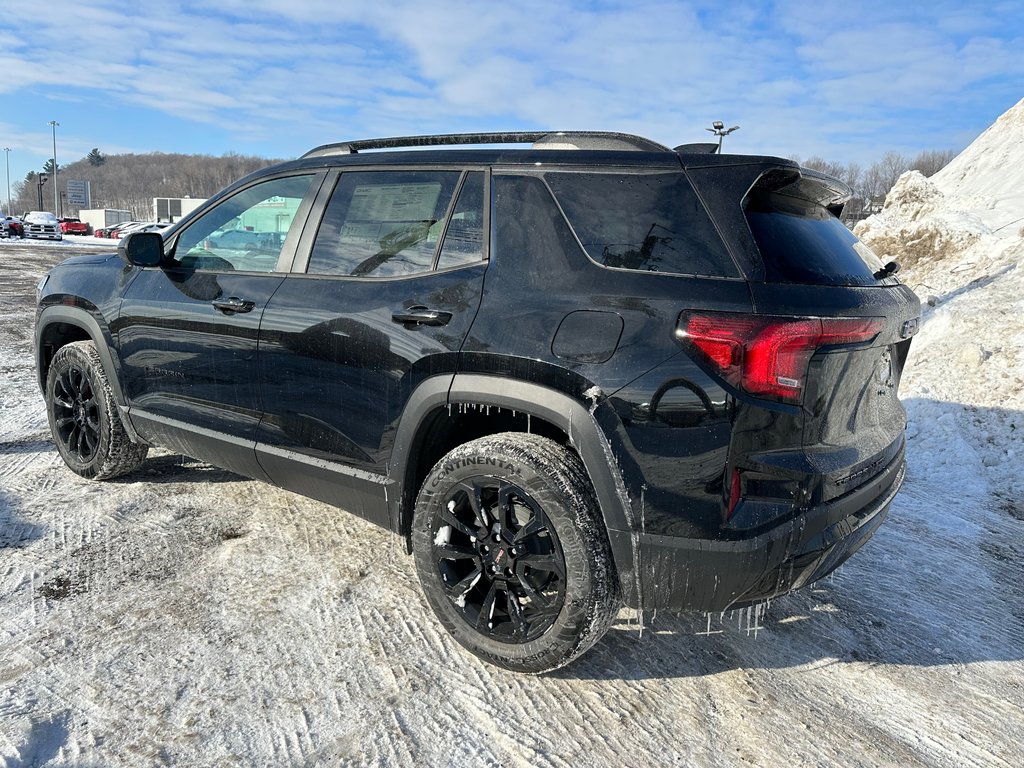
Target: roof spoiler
{"x": 808, "y": 185}
{"x": 700, "y": 148}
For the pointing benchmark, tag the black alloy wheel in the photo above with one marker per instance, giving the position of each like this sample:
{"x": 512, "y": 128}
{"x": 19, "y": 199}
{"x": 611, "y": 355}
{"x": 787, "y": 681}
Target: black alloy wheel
{"x": 499, "y": 559}
{"x": 76, "y": 414}
{"x": 84, "y": 420}
{"x": 512, "y": 553}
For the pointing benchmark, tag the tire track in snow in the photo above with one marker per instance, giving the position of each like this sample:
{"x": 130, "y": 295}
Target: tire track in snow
{"x": 227, "y": 620}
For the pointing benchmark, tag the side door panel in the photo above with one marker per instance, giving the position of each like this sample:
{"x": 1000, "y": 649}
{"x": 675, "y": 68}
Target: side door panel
{"x": 188, "y": 331}
{"x": 189, "y": 369}
{"x": 341, "y": 353}
{"x": 338, "y": 370}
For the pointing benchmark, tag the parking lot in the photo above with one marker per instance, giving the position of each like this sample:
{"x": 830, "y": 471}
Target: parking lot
{"x": 185, "y": 615}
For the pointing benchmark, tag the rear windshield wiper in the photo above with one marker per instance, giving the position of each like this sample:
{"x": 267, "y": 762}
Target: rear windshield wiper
{"x": 889, "y": 269}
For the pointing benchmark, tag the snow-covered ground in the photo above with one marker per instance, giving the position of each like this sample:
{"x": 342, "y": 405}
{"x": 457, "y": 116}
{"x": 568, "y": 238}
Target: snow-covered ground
{"x": 186, "y": 616}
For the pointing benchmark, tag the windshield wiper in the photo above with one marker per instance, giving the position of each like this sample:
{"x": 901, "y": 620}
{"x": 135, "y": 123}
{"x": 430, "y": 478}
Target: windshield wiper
{"x": 889, "y": 269}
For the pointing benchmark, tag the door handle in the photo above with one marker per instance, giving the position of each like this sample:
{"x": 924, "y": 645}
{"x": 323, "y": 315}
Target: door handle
{"x": 233, "y": 305}
{"x": 421, "y": 316}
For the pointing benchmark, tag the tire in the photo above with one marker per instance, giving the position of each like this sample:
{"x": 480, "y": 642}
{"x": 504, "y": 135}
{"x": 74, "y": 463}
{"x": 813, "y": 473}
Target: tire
{"x": 83, "y": 416}
{"x": 512, "y": 554}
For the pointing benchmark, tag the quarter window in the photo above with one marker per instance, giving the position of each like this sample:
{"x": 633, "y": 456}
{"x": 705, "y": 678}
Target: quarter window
{"x": 247, "y": 231}
{"x": 464, "y": 238}
{"x": 649, "y": 222}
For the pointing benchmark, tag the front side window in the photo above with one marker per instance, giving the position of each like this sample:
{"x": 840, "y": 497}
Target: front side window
{"x": 383, "y": 223}
{"x": 247, "y": 231}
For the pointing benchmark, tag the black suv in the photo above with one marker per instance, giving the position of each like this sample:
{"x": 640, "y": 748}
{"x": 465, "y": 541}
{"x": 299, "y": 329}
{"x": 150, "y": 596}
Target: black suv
{"x": 590, "y": 372}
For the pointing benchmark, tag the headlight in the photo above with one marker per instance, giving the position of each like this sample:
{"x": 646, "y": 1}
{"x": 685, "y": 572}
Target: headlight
{"x": 39, "y": 287}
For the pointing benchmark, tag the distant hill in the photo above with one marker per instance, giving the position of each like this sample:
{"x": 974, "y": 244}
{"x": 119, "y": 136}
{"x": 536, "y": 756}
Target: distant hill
{"x": 132, "y": 181}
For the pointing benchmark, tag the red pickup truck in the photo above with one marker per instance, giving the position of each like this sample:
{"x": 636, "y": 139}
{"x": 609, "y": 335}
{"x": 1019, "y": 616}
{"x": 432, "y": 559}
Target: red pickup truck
{"x": 71, "y": 226}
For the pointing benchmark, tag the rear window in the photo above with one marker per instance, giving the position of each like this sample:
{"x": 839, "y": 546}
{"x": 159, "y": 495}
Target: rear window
{"x": 804, "y": 243}
{"x": 651, "y": 222}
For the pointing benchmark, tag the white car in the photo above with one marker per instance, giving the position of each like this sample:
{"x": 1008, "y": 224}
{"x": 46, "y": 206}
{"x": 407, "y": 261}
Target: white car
{"x": 141, "y": 226}
{"x": 41, "y": 225}
{"x": 154, "y": 226}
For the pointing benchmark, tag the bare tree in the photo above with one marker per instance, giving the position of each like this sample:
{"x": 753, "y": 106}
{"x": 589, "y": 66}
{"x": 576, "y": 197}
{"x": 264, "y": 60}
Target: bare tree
{"x": 931, "y": 161}
{"x": 832, "y": 168}
{"x": 890, "y": 168}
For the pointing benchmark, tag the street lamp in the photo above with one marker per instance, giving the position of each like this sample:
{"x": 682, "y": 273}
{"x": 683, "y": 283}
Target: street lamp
{"x": 53, "y": 124}
{"x": 718, "y": 128}
{"x": 7, "y": 151}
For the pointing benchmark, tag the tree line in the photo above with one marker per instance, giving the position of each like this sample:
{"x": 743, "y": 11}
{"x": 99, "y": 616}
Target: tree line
{"x": 131, "y": 181}
{"x": 872, "y": 183}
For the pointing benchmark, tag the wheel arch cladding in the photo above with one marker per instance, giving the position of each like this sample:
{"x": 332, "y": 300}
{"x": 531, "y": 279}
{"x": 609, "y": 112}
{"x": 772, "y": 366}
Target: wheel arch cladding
{"x": 577, "y": 423}
{"x": 60, "y": 325}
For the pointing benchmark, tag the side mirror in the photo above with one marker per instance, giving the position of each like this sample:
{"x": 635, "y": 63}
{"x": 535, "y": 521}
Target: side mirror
{"x": 143, "y": 249}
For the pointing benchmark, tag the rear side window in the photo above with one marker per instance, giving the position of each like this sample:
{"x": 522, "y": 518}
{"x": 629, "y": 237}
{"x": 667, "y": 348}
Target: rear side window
{"x": 383, "y": 223}
{"x": 650, "y": 222}
{"x": 804, "y": 243}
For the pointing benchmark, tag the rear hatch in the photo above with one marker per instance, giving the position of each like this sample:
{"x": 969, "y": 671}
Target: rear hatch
{"x": 824, "y": 350}
{"x": 815, "y": 267}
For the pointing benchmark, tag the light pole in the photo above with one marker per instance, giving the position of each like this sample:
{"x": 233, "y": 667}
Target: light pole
{"x": 718, "y": 128}
{"x": 7, "y": 153}
{"x": 53, "y": 124}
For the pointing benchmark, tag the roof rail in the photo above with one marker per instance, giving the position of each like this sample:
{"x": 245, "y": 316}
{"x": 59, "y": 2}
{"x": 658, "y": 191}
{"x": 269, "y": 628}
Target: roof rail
{"x": 540, "y": 139}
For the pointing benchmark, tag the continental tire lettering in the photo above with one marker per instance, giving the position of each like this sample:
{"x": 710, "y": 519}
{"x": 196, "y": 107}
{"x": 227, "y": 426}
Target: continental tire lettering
{"x": 475, "y": 461}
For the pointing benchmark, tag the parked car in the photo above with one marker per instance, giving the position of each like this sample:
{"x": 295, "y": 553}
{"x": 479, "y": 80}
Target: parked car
{"x": 13, "y": 225}
{"x": 108, "y": 232}
{"x": 124, "y": 226}
{"x": 40, "y": 225}
{"x": 73, "y": 226}
{"x": 589, "y": 372}
{"x": 153, "y": 226}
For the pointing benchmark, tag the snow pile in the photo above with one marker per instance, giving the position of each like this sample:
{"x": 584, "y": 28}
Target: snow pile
{"x": 978, "y": 199}
{"x": 960, "y": 238}
{"x": 918, "y": 225}
{"x": 987, "y": 176}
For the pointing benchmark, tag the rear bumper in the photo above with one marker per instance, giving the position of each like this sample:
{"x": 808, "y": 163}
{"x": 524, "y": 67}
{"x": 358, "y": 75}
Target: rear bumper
{"x": 717, "y": 575}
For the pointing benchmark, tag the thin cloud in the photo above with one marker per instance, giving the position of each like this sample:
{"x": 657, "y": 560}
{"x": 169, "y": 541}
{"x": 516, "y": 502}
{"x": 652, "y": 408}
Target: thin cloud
{"x": 838, "y": 79}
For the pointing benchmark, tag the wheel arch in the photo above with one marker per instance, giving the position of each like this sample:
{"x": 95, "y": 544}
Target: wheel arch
{"x": 61, "y": 325}
{"x": 494, "y": 399}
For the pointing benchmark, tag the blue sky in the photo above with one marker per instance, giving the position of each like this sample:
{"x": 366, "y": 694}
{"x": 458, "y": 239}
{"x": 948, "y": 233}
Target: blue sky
{"x": 843, "y": 80}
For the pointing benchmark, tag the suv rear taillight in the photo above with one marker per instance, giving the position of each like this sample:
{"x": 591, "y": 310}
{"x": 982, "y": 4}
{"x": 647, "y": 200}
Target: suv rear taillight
{"x": 766, "y": 355}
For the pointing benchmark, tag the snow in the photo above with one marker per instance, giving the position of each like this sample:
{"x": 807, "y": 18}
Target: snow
{"x": 184, "y": 615}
